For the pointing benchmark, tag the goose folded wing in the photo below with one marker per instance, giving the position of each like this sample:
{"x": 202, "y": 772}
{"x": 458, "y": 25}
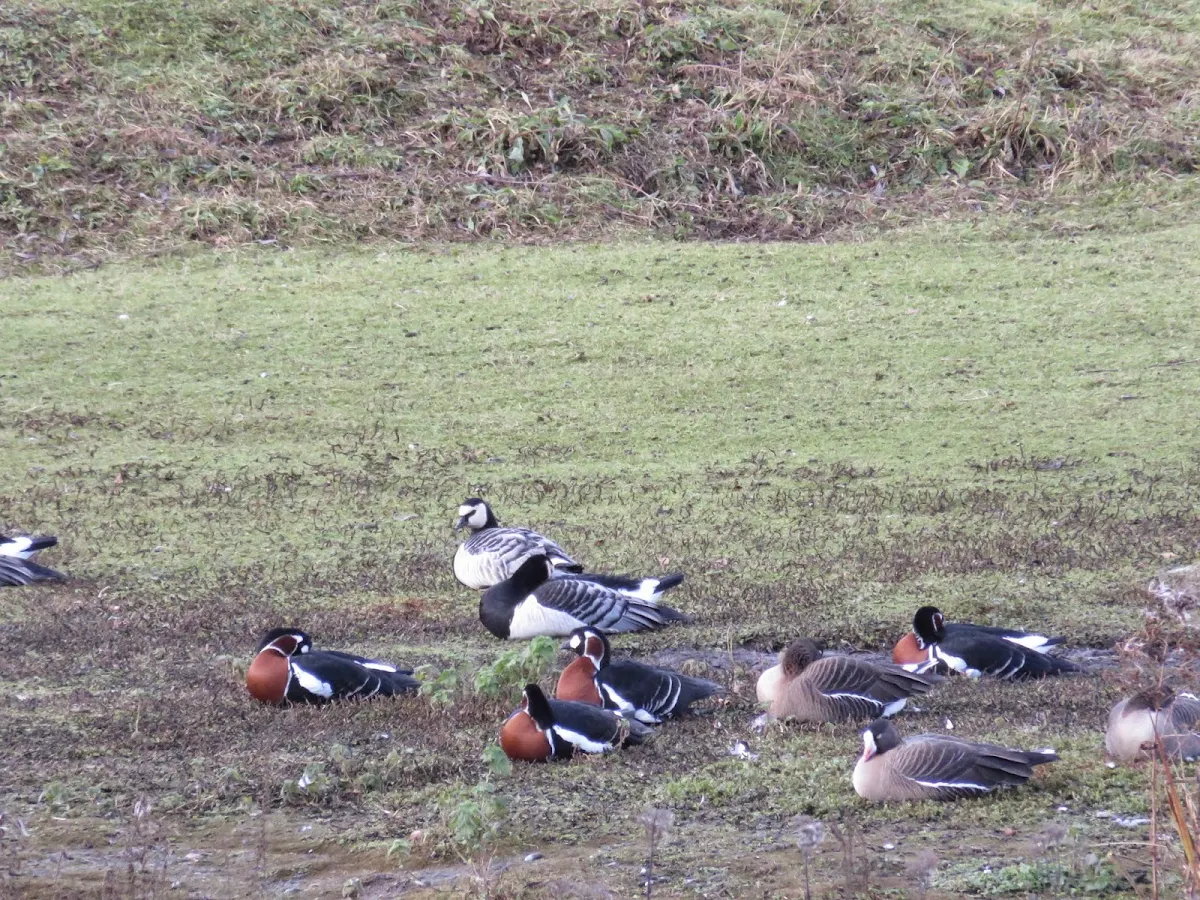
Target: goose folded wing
{"x": 15, "y": 572}
{"x": 653, "y": 690}
{"x": 518, "y": 544}
{"x": 999, "y": 658}
{"x": 955, "y": 768}
{"x": 368, "y": 663}
{"x": 1185, "y": 712}
{"x": 590, "y": 603}
{"x": 859, "y": 687}
{"x": 332, "y": 676}
{"x": 1027, "y": 639}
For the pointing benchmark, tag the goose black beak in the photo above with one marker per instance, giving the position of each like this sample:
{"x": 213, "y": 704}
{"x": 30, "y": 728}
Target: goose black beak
{"x": 461, "y": 523}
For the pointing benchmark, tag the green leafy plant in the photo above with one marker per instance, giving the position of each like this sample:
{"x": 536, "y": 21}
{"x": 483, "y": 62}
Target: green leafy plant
{"x": 516, "y": 668}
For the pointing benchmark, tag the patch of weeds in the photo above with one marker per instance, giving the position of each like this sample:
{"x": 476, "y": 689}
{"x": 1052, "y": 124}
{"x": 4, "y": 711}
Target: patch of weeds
{"x": 469, "y": 817}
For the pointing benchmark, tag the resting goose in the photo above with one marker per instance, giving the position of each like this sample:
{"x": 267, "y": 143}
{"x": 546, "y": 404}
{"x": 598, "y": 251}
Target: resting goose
{"x": 1134, "y": 722}
{"x": 629, "y": 688}
{"x": 533, "y": 603}
{"x": 977, "y": 650}
{"x": 287, "y": 670}
{"x": 937, "y": 767}
{"x": 816, "y": 688}
{"x": 543, "y": 729}
{"x": 492, "y": 554}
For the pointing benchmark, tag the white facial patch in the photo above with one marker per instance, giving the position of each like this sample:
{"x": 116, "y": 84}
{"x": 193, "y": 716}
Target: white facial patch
{"x": 869, "y": 748}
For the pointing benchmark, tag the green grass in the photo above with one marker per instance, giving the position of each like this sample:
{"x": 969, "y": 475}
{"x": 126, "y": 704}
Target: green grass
{"x": 143, "y": 127}
{"x": 1005, "y": 428}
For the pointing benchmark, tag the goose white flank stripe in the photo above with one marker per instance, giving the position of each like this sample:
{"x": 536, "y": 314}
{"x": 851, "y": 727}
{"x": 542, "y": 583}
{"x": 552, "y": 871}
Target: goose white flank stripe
{"x": 312, "y": 683}
{"x": 531, "y": 619}
{"x": 957, "y": 785}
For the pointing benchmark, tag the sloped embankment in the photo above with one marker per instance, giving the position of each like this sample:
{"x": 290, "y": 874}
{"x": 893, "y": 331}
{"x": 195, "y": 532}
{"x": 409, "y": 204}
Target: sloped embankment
{"x": 143, "y": 125}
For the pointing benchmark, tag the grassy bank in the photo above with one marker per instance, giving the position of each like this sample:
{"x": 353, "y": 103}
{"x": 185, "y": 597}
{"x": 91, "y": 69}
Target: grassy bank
{"x": 143, "y": 127}
{"x": 821, "y": 437}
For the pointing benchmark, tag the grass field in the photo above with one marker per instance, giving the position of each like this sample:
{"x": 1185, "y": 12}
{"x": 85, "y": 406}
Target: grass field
{"x": 822, "y": 437}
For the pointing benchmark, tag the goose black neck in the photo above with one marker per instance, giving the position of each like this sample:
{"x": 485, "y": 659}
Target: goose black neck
{"x": 538, "y": 707}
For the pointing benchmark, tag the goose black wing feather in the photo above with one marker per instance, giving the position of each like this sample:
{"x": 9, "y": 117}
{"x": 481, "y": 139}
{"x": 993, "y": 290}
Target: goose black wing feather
{"x": 658, "y": 692}
{"x": 16, "y": 572}
{"x": 994, "y": 656}
{"x": 324, "y": 676}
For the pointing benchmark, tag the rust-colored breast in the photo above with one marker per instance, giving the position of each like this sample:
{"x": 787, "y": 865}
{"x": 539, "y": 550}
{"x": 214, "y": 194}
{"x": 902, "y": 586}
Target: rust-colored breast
{"x": 577, "y": 683}
{"x": 906, "y": 651}
{"x": 520, "y": 739}
{"x": 267, "y": 677}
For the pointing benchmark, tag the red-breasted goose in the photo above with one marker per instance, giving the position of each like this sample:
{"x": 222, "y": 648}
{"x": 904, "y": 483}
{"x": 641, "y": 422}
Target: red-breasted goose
{"x": 937, "y": 767}
{"x": 287, "y": 670}
{"x": 629, "y": 688}
{"x": 977, "y": 650}
{"x": 567, "y": 727}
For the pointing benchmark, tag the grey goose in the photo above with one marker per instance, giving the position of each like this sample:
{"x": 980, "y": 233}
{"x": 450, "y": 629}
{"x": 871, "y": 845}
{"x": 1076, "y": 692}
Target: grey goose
{"x": 817, "y": 688}
{"x": 533, "y": 603}
{"x": 492, "y": 554}
{"x": 937, "y": 767}
{"x": 1135, "y": 721}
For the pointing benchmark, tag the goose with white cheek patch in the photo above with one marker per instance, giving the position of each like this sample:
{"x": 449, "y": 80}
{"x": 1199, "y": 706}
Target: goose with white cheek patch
{"x": 1135, "y": 721}
{"x": 288, "y": 670}
{"x": 937, "y": 767}
{"x": 532, "y": 603}
{"x": 631, "y": 689}
{"x": 565, "y": 727}
{"x": 492, "y": 554}
{"x": 978, "y": 650}
{"x": 817, "y": 688}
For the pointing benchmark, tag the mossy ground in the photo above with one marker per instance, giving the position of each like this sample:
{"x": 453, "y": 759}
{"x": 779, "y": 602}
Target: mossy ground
{"x": 822, "y": 437}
